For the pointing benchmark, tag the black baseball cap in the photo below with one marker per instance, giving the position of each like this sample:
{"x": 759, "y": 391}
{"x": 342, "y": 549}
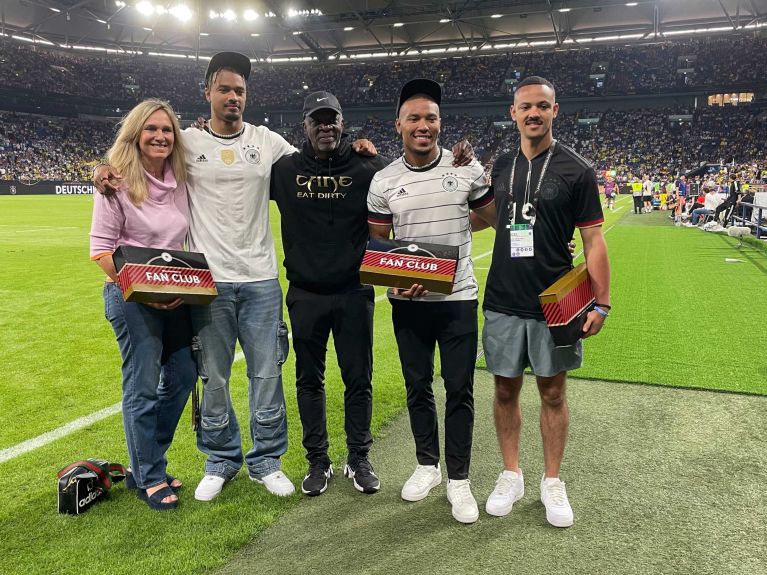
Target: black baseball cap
{"x": 321, "y": 101}
{"x": 420, "y": 86}
{"x": 234, "y": 60}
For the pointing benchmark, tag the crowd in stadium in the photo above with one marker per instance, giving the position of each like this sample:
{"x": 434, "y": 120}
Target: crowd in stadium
{"x": 657, "y": 68}
{"x": 44, "y": 148}
{"x": 630, "y": 142}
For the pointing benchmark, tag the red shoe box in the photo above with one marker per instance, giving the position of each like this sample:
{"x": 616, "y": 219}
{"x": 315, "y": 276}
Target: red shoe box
{"x": 393, "y": 263}
{"x": 565, "y": 305}
{"x": 149, "y": 275}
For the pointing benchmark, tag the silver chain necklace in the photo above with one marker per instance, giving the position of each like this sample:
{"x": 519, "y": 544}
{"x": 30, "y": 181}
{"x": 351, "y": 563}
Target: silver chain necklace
{"x": 528, "y": 208}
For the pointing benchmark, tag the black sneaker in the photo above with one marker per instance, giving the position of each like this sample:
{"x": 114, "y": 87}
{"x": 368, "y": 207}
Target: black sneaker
{"x": 316, "y": 481}
{"x": 365, "y": 479}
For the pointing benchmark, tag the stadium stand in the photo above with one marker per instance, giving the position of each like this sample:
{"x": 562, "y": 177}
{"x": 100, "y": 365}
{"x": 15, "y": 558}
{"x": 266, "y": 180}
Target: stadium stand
{"x": 642, "y": 69}
{"x": 630, "y": 142}
{"x": 47, "y": 148}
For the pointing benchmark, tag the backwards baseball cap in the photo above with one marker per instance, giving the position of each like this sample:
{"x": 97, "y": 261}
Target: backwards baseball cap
{"x": 321, "y": 101}
{"x": 240, "y": 63}
{"x": 429, "y": 88}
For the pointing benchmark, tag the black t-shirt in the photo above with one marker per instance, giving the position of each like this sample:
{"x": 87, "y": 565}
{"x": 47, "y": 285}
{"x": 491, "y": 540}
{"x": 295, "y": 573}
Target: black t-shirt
{"x": 568, "y": 197}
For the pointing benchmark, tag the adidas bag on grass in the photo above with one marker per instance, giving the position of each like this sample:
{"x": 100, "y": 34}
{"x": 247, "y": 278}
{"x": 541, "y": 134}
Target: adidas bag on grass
{"x": 83, "y": 483}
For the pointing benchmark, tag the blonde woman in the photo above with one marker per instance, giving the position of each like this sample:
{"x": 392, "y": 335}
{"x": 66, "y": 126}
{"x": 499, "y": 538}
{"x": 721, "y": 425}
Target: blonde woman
{"x": 150, "y": 209}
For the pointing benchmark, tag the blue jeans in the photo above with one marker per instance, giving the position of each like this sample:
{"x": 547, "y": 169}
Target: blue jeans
{"x": 252, "y": 313}
{"x": 158, "y": 371}
{"x": 697, "y": 213}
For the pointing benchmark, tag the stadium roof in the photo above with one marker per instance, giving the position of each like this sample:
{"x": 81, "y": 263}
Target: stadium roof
{"x": 276, "y": 30}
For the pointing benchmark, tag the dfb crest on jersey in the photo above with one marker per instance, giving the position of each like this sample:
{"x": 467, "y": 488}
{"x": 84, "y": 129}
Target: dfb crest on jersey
{"x": 450, "y": 183}
{"x": 252, "y": 156}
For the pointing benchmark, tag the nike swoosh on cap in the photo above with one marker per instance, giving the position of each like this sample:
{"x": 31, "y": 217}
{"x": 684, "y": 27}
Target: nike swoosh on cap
{"x": 321, "y": 99}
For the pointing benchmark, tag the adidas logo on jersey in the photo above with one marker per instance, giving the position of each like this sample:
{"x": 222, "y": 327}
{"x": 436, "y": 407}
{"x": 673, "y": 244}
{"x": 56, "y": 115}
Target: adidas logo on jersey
{"x": 402, "y": 192}
{"x": 201, "y": 158}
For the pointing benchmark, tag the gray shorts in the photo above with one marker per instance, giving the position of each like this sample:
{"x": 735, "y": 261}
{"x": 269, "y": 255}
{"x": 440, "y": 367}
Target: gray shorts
{"x": 512, "y": 343}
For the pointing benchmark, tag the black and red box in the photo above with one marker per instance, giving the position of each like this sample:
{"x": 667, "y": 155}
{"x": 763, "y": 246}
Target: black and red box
{"x": 400, "y": 264}
{"x": 149, "y": 275}
{"x": 565, "y": 305}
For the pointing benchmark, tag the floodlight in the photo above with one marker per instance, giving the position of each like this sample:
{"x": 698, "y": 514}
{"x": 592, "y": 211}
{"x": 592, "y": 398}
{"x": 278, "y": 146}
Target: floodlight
{"x": 229, "y": 15}
{"x": 181, "y": 12}
{"x": 250, "y": 15}
{"x": 145, "y": 8}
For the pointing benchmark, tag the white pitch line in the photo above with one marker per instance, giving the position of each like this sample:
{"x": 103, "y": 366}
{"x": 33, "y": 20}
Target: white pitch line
{"x": 58, "y": 433}
{"x": 83, "y": 422}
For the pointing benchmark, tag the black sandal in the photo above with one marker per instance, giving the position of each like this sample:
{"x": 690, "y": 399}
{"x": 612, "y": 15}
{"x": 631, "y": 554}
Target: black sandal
{"x": 130, "y": 482}
{"x": 155, "y": 501}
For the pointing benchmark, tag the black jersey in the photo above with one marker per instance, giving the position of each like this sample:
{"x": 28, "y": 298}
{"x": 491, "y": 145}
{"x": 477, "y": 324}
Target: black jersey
{"x": 568, "y": 198}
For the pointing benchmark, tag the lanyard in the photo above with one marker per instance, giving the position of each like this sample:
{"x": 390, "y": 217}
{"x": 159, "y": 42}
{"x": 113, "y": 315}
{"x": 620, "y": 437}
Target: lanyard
{"x": 528, "y": 209}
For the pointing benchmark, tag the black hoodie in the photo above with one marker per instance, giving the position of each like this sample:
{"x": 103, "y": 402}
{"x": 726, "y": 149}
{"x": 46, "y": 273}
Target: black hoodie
{"x": 323, "y": 206}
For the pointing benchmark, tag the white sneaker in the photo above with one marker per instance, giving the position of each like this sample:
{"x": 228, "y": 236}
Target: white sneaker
{"x": 276, "y": 483}
{"x": 464, "y": 505}
{"x": 554, "y": 498}
{"x": 421, "y": 482}
{"x": 509, "y": 488}
{"x": 209, "y": 487}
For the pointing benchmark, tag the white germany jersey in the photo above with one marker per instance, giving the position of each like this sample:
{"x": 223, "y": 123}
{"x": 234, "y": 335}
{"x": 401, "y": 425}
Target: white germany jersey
{"x": 432, "y": 206}
{"x": 228, "y": 183}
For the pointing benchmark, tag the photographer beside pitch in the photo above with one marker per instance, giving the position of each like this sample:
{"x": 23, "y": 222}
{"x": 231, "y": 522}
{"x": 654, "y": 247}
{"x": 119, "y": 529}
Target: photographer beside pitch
{"x": 549, "y": 190}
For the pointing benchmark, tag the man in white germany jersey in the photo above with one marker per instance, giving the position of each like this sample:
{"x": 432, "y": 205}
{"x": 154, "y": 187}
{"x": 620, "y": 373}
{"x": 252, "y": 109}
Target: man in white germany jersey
{"x": 229, "y": 169}
{"x": 422, "y": 197}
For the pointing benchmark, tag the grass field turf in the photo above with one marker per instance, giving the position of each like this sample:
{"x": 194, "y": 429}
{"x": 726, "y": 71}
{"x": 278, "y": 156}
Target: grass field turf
{"x": 63, "y": 363}
{"x": 662, "y": 481}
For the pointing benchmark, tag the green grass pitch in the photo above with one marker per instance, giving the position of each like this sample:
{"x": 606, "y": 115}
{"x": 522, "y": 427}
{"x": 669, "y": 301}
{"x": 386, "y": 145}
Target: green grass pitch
{"x": 683, "y": 317}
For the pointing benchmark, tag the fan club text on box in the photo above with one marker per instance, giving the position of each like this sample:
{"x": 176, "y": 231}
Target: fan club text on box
{"x": 393, "y": 263}
{"x": 156, "y": 276}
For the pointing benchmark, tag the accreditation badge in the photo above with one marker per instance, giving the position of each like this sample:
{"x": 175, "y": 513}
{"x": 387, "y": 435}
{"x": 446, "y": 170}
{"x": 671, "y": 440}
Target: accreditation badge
{"x": 521, "y": 241}
{"x": 227, "y": 156}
